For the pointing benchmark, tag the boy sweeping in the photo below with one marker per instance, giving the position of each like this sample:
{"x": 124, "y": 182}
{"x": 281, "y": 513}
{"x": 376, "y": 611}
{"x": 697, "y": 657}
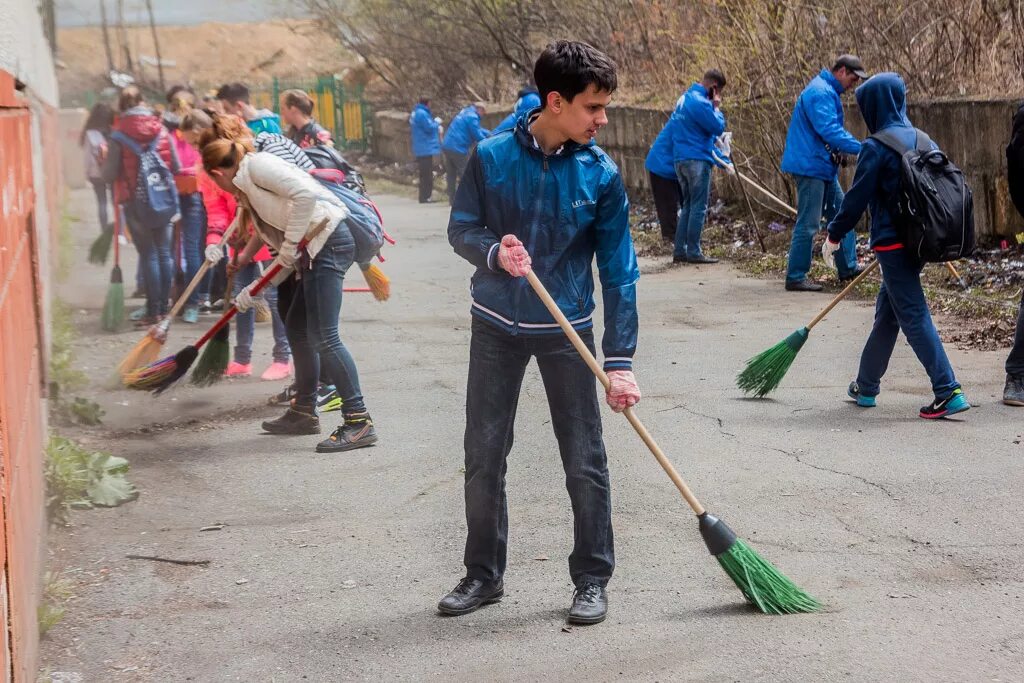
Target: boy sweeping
{"x": 544, "y": 197}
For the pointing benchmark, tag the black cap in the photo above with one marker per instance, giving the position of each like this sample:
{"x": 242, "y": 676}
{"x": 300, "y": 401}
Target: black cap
{"x": 852, "y": 64}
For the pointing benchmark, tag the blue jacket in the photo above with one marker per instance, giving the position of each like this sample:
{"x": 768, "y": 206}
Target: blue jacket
{"x": 423, "y": 130}
{"x": 659, "y": 158}
{"x": 883, "y": 103}
{"x": 817, "y": 121}
{"x": 567, "y": 208}
{"x": 464, "y": 131}
{"x": 695, "y": 124}
{"x": 527, "y": 102}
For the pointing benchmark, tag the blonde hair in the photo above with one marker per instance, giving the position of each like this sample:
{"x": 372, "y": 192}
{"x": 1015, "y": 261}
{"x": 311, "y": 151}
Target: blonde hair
{"x": 227, "y": 127}
{"x": 221, "y": 153}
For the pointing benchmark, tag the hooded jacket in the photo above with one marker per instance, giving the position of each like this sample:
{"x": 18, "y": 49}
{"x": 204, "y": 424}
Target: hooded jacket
{"x": 883, "y": 103}
{"x": 817, "y": 121}
{"x": 464, "y": 131}
{"x": 423, "y": 131}
{"x": 265, "y": 121}
{"x": 529, "y": 99}
{"x": 567, "y": 208}
{"x": 122, "y": 166}
{"x": 659, "y": 157}
{"x": 695, "y": 124}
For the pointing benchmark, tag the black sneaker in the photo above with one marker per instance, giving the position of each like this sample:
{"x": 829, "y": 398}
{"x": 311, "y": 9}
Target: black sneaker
{"x": 470, "y": 595}
{"x": 589, "y": 605}
{"x": 296, "y": 420}
{"x": 955, "y": 403}
{"x": 803, "y": 286}
{"x": 284, "y": 398}
{"x": 355, "y": 432}
{"x": 701, "y": 259}
{"x": 1013, "y": 392}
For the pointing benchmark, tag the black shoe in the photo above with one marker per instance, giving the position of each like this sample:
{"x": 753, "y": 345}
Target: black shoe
{"x": 589, "y": 605}
{"x": 296, "y": 420}
{"x": 470, "y": 595}
{"x": 284, "y": 398}
{"x": 955, "y": 403}
{"x": 701, "y": 259}
{"x": 355, "y": 432}
{"x": 803, "y": 286}
{"x": 855, "y": 273}
{"x": 1013, "y": 392}
{"x": 678, "y": 259}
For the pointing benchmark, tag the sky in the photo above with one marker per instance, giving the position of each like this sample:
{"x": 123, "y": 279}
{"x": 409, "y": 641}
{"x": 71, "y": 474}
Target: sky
{"x": 72, "y": 13}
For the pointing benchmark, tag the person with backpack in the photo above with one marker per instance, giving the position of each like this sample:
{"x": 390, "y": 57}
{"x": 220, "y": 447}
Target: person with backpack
{"x": 901, "y": 303}
{"x": 234, "y": 99}
{"x": 816, "y": 143}
{"x": 93, "y": 141}
{"x": 297, "y": 112}
{"x": 544, "y": 198}
{"x": 1013, "y": 390}
{"x": 141, "y": 162}
{"x": 424, "y": 132}
{"x": 527, "y": 100}
{"x": 286, "y": 204}
{"x": 463, "y": 132}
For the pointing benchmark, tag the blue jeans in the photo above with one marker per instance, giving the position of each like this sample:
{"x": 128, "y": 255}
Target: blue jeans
{"x": 694, "y": 178}
{"x": 101, "y": 190}
{"x": 817, "y": 199}
{"x": 245, "y": 323}
{"x": 497, "y": 364}
{"x": 311, "y": 307}
{"x": 193, "y": 237}
{"x": 901, "y": 306}
{"x": 156, "y": 266}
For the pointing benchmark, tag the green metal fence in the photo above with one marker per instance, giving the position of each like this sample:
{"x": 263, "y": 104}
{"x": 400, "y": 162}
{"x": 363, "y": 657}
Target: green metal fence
{"x": 340, "y": 109}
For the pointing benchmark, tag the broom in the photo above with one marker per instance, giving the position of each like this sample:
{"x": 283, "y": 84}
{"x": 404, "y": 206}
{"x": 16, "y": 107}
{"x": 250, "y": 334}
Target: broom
{"x": 217, "y": 354}
{"x": 765, "y": 371}
{"x": 160, "y": 375}
{"x": 113, "y": 307}
{"x": 379, "y": 284}
{"x": 148, "y": 348}
{"x": 761, "y": 583}
{"x": 100, "y": 247}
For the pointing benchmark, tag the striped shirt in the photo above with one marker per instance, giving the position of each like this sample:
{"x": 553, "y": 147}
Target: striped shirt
{"x": 280, "y": 146}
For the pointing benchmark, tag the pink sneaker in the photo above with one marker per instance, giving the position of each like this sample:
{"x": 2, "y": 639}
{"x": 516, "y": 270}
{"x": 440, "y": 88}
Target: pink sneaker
{"x": 238, "y": 370}
{"x": 277, "y": 371}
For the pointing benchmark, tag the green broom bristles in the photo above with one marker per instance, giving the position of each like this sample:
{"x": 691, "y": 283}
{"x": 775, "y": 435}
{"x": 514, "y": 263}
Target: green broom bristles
{"x": 159, "y": 376}
{"x": 113, "y": 307}
{"x": 765, "y": 371}
{"x": 214, "y": 361}
{"x": 100, "y": 247}
{"x": 762, "y": 584}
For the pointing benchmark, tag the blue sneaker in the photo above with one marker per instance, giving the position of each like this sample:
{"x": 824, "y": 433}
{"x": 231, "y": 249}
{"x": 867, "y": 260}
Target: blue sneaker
{"x": 951, "y": 405}
{"x": 863, "y": 401}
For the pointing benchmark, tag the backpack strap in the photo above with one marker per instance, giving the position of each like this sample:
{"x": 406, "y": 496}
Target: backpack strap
{"x": 127, "y": 142}
{"x": 887, "y": 137}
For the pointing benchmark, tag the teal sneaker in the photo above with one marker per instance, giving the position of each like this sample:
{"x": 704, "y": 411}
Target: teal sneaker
{"x": 863, "y": 401}
{"x": 138, "y": 314}
{"x": 190, "y": 315}
{"x": 951, "y": 405}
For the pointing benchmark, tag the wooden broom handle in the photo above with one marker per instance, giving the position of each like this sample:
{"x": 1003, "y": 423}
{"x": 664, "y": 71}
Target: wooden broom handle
{"x": 180, "y": 303}
{"x": 598, "y": 371}
{"x": 842, "y": 295}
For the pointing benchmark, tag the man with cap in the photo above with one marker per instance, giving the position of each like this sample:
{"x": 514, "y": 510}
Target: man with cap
{"x": 815, "y": 146}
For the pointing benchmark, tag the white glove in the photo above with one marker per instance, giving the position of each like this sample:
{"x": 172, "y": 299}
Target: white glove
{"x": 724, "y": 143}
{"x": 214, "y": 253}
{"x": 729, "y": 169}
{"x": 244, "y": 299}
{"x": 437, "y": 120}
{"x": 828, "y": 252}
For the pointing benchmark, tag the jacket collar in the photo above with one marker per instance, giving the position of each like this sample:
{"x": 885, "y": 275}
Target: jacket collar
{"x": 827, "y": 76}
{"x": 526, "y": 139}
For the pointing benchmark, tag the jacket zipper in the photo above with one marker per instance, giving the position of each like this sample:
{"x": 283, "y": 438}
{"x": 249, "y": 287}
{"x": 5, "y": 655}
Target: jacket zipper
{"x": 530, "y": 242}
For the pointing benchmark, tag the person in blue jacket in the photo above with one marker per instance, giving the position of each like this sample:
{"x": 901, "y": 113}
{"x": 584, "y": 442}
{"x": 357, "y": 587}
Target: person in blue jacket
{"x": 815, "y": 144}
{"x": 528, "y": 100}
{"x": 463, "y": 132}
{"x": 424, "y": 129}
{"x": 901, "y": 303}
{"x": 661, "y": 173}
{"x": 695, "y": 124}
{"x": 544, "y": 198}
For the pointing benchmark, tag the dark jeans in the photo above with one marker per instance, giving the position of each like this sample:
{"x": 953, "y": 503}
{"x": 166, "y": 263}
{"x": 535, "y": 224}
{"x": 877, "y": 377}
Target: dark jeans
{"x": 694, "y": 177}
{"x": 1015, "y": 361}
{"x": 454, "y": 167}
{"x": 901, "y": 306}
{"x": 156, "y": 266}
{"x": 817, "y": 199}
{"x": 426, "y": 167}
{"x": 245, "y": 323}
{"x": 667, "y": 199}
{"x": 102, "y": 192}
{"x": 310, "y": 307}
{"x": 497, "y": 363}
{"x": 193, "y": 238}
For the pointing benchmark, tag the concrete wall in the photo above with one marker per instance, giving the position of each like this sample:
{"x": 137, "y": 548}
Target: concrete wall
{"x": 973, "y": 132}
{"x": 71, "y": 122}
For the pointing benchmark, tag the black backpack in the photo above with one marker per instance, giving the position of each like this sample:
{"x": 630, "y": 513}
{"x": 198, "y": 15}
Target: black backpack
{"x": 935, "y": 210}
{"x": 325, "y": 156}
